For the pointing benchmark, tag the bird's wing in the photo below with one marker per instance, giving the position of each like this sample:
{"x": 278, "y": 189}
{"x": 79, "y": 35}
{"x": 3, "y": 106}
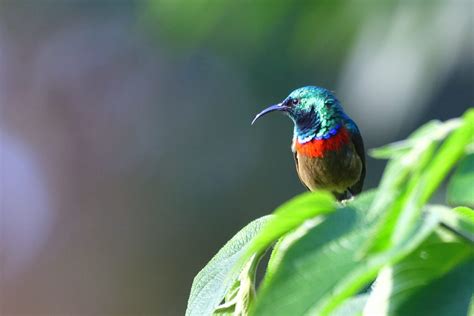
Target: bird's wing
{"x": 295, "y": 156}
{"x": 359, "y": 147}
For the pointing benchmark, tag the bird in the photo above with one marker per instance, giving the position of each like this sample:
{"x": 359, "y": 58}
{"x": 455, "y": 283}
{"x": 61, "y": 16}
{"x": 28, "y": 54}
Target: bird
{"x": 327, "y": 145}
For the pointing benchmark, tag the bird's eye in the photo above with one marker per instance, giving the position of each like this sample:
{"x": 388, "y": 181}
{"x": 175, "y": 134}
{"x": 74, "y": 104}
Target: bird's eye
{"x": 294, "y": 101}
{"x": 329, "y": 102}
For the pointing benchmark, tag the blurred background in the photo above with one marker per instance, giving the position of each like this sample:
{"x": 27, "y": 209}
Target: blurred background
{"x": 127, "y": 155}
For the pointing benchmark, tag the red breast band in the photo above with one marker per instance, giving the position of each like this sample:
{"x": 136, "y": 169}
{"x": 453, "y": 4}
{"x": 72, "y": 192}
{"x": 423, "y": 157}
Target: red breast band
{"x": 318, "y": 147}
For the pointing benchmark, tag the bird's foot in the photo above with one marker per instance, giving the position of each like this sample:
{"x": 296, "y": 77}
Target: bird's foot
{"x": 345, "y": 201}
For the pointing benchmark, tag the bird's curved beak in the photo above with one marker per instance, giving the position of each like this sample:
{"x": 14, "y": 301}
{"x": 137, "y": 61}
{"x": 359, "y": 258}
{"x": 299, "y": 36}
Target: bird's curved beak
{"x": 276, "y": 107}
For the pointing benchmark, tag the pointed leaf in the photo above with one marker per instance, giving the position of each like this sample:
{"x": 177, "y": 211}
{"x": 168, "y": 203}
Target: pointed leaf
{"x": 289, "y": 216}
{"x": 461, "y": 185}
{"x": 459, "y": 220}
{"x": 451, "y": 151}
{"x": 352, "y": 307}
{"x": 450, "y": 295}
{"x": 322, "y": 268}
{"x": 212, "y": 283}
{"x": 403, "y": 201}
{"x": 431, "y": 131}
{"x": 397, "y": 286}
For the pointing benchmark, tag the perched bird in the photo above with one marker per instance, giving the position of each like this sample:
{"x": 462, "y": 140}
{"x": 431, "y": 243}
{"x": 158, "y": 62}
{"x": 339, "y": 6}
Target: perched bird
{"x": 327, "y": 145}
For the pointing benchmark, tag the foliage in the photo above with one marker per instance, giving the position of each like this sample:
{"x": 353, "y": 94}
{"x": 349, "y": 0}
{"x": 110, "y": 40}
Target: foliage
{"x": 387, "y": 252}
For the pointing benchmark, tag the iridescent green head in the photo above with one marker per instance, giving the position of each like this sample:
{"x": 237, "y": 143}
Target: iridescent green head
{"x": 316, "y": 112}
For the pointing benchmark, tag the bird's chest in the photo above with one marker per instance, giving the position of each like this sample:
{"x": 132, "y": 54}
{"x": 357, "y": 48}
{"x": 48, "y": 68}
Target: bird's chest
{"x": 330, "y": 164}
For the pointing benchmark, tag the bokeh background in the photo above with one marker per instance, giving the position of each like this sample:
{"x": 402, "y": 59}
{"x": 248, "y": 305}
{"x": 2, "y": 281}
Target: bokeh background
{"x": 127, "y": 155}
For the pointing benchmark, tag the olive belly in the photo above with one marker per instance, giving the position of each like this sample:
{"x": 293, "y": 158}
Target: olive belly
{"x": 336, "y": 171}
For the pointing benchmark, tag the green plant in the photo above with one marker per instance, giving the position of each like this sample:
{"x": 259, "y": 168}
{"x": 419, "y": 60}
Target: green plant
{"x": 326, "y": 255}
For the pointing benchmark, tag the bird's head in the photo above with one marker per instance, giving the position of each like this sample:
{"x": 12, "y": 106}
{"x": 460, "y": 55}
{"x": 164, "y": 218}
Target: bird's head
{"x": 315, "y": 112}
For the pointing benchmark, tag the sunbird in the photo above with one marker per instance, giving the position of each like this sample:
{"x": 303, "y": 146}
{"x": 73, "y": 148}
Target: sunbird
{"x": 327, "y": 145}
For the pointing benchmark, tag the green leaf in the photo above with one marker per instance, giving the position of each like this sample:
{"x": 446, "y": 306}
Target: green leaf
{"x": 353, "y": 306}
{"x": 466, "y": 213}
{"x": 448, "y": 296}
{"x": 450, "y": 152}
{"x": 289, "y": 216}
{"x": 402, "y": 163}
{"x": 402, "y": 212}
{"x": 321, "y": 262}
{"x": 461, "y": 185}
{"x": 228, "y": 311}
{"x": 242, "y": 294}
{"x": 213, "y": 282}
{"x": 276, "y": 256}
{"x": 459, "y": 220}
{"x": 322, "y": 268}
{"x": 393, "y": 150}
{"x": 285, "y": 242}
{"x": 397, "y": 286}
{"x": 403, "y": 199}
{"x": 431, "y": 131}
